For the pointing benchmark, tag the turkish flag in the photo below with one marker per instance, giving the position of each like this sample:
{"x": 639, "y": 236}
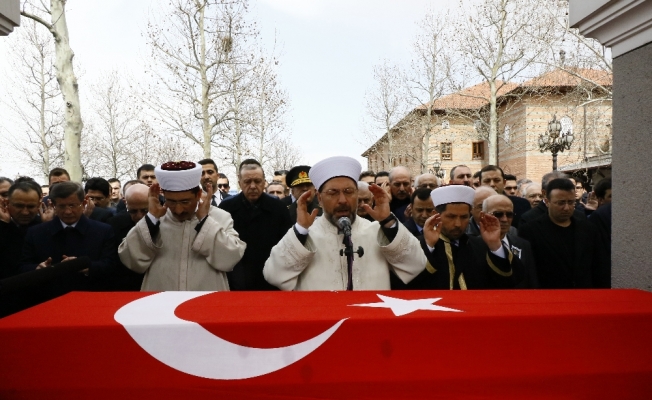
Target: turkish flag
{"x": 393, "y": 344}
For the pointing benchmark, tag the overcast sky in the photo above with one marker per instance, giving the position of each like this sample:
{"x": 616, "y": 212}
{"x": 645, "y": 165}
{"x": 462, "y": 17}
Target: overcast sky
{"x": 328, "y": 50}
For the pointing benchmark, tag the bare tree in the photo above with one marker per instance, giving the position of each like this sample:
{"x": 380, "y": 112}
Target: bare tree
{"x": 191, "y": 45}
{"x": 114, "y": 128}
{"x": 428, "y": 77}
{"x": 387, "y": 105}
{"x": 500, "y": 41}
{"x": 35, "y": 100}
{"x": 58, "y": 27}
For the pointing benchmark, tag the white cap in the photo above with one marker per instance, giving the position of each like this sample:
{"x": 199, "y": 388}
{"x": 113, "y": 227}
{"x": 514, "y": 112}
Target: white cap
{"x": 452, "y": 194}
{"x": 334, "y": 167}
{"x": 178, "y": 180}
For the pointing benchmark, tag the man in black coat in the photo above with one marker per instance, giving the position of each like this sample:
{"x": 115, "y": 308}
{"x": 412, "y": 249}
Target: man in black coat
{"x": 69, "y": 235}
{"x": 459, "y": 261}
{"x": 567, "y": 249}
{"x": 261, "y": 221}
{"x": 422, "y": 209}
{"x": 17, "y": 214}
{"x": 137, "y": 204}
{"x": 494, "y": 176}
{"x": 502, "y": 208}
{"x": 542, "y": 208}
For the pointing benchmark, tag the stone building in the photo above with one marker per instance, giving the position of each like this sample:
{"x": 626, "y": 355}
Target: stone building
{"x": 458, "y": 133}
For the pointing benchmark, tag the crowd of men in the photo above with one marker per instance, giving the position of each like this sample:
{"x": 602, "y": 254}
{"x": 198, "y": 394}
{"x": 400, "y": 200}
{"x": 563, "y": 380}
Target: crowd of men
{"x": 177, "y": 227}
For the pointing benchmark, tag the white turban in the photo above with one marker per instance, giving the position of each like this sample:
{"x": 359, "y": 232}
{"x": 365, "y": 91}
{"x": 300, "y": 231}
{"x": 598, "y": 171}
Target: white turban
{"x": 178, "y": 180}
{"x": 452, "y": 194}
{"x": 334, "y": 167}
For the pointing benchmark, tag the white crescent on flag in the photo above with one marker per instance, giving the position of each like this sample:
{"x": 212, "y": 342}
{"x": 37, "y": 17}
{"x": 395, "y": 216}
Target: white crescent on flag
{"x": 187, "y": 347}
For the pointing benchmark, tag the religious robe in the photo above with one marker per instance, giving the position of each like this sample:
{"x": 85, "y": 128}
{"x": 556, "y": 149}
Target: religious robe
{"x": 467, "y": 265}
{"x": 318, "y": 265}
{"x": 181, "y": 258}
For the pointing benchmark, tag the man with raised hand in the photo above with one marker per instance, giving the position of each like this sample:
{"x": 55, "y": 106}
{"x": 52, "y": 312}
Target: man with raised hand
{"x": 459, "y": 261}
{"x": 308, "y": 257}
{"x": 184, "y": 244}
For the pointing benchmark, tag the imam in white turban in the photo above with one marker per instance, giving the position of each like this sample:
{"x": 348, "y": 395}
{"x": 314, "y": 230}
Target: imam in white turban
{"x": 178, "y": 176}
{"x": 334, "y": 167}
{"x": 452, "y": 194}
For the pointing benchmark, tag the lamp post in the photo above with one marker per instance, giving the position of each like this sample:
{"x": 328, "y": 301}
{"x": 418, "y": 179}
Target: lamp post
{"x": 437, "y": 169}
{"x": 553, "y": 141}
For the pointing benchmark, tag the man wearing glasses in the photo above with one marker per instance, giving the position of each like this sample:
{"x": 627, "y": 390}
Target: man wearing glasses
{"x": 184, "y": 244}
{"x": 137, "y": 203}
{"x": 567, "y": 248}
{"x": 502, "y": 208}
{"x": 67, "y": 236}
{"x": 18, "y": 213}
{"x": 308, "y": 256}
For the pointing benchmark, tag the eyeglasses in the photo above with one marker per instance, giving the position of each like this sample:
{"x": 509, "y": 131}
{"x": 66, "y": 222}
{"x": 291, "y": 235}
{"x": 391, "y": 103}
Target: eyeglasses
{"x": 348, "y": 192}
{"x": 281, "y": 172}
{"x": 138, "y": 211}
{"x": 64, "y": 207}
{"x": 174, "y": 203}
{"x": 399, "y": 184}
{"x": 500, "y": 214}
{"x": 222, "y": 185}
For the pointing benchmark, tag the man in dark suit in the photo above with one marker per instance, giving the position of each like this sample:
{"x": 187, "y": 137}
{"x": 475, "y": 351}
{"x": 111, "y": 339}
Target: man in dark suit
{"x": 137, "y": 203}
{"x": 542, "y": 208}
{"x": 481, "y": 193}
{"x": 17, "y": 214}
{"x": 422, "y": 209}
{"x": 501, "y": 207}
{"x": 98, "y": 196}
{"x": 567, "y": 249}
{"x": 261, "y": 221}
{"x": 69, "y": 235}
{"x": 494, "y": 176}
{"x": 209, "y": 176}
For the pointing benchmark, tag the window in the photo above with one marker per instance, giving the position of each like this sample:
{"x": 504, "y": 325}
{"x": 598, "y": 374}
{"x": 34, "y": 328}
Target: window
{"x": 478, "y": 150}
{"x": 446, "y": 151}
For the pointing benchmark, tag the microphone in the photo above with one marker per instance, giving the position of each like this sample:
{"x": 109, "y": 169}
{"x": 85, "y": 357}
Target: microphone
{"x": 344, "y": 223}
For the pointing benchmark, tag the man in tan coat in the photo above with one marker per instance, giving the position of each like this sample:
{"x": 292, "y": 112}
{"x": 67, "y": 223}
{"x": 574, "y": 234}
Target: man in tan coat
{"x": 184, "y": 244}
{"x": 308, "y": 257}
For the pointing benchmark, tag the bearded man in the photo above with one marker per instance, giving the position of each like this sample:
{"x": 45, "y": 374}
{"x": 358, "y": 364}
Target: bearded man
{"x": 308, "y": 257}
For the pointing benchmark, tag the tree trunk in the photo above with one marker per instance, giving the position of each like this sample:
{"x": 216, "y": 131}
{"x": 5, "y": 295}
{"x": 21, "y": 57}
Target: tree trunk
{"x": 493, "y": 125}
{"x": 205, "y": 101}
{"x": 69, "y": 89}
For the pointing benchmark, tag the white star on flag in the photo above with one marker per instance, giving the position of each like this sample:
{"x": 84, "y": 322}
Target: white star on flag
{"x": 401, "y": 307}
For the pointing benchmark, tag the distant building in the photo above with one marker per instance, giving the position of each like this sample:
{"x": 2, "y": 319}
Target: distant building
{"x": 458, "y": 127}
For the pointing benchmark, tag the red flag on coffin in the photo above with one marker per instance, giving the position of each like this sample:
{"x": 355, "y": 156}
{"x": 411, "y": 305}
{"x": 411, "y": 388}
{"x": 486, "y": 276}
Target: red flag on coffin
{"x": 503, "y": 344}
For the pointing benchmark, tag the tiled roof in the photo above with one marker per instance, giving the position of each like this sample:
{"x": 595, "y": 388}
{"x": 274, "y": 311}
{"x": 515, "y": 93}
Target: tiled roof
{"x": 570, "y": 77}
{"x": 470, "y": 98}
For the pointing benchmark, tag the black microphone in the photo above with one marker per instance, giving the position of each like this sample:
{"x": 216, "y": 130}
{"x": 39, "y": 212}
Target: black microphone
{"x": 344, "y": 224}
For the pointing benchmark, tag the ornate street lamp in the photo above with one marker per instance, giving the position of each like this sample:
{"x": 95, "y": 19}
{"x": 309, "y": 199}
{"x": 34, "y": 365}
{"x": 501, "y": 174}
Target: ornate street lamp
{"x": 554, "y": 141}
{"x": 437, "y": 169}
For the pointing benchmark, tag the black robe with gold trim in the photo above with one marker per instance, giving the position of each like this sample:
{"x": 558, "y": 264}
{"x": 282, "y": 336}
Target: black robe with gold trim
{"x": 469, "y": 265}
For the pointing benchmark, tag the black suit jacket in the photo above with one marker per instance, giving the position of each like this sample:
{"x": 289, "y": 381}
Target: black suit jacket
{"x": 412, "y": 227}
{"x": 101, "y": 214}
{"x": 521, "y": 206}
{"x": 89, "y": 238}
{"x": 123, "y": 278}
{"x": 12, "y": 238}
{"x": 588, "y": 269}
{"x": 261, "y": 226}
{"x": 522, "y": 249}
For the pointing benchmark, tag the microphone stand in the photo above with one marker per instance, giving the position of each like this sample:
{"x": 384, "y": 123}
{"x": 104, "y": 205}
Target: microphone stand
{"x": 348, "y": 251}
